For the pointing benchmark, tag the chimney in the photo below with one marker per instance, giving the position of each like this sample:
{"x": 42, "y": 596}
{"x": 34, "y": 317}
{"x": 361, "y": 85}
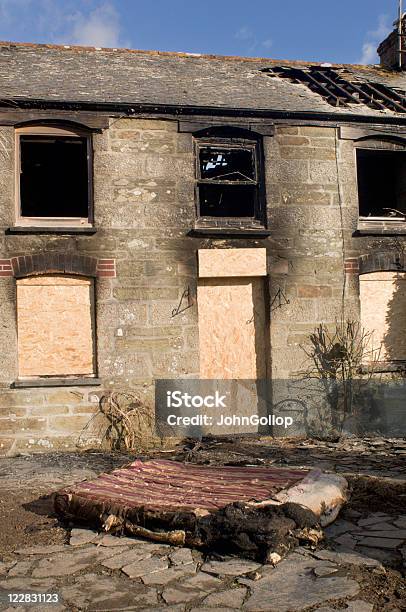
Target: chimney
{"x": 392, "y": 51}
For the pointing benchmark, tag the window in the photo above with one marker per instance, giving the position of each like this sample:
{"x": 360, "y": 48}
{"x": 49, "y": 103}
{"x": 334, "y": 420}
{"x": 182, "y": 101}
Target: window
{"x": 383, "y": 313}
{"x": 381, "y": 185}
{"x": 54, "y": 186}
{"x": 55, "y": 325}
{"x": 228, "y": 181}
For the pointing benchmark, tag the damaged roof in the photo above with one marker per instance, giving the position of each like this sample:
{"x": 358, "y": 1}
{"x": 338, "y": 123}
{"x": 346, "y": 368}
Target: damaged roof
{"x": 89, "y": 75}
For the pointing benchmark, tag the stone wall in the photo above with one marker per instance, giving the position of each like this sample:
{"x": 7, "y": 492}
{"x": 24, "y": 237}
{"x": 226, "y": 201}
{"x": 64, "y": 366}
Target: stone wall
{"x": 307, "y": 224}
{"x": 144, "y": 207}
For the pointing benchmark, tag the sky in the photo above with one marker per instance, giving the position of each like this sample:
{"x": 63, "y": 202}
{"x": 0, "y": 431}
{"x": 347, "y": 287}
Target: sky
{"x": 347, "y": 31}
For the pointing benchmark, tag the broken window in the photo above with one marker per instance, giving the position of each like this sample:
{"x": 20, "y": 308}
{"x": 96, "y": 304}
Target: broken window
{"x": 381, "y": 184}
{"x": 55, "y": 326}
{"x": 383, "y": 314}
{"x": 228, "y": 180}
{"x": 54, "y": 181}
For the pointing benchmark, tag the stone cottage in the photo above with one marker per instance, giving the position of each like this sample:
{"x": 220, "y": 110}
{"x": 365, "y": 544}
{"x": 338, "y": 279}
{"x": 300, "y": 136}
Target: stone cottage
{"x": 172, "y": 215}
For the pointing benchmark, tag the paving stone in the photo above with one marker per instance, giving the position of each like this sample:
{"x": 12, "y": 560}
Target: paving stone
{"x": 376, "y": 542}
{"x": 28, "y": 584}
{"x": 179, "y": 608}
{"x": 42, "y": 550}
{"x": 356, "y": 605}
{"x": 325, "y": 570}
{"x": 111, "y": 540}
{"x": 292, "y": 586}
{"x": 372, "y": 519}
{"x": 382, "y": 526}
{"x": 231, "y": 567}
{"x": 167, "y": 575}
{"x": 301, "y": 550}
{"x": 352, "y": 514}
{"x": 22, "y": 568}
{"x": 339, "y": 527}
{"x": 383, "y": 555}
{"x": 400, "y": 521}
{"x": 181, "y": 556}
{"x": 125, "y": 557}
{"x": 148, "y": 566}
{"x": 4, "y": 567}
{"x": 107, "y": 593}
{"x": 346, "y": 540}
{"x": 346, "y": 557}
{"x": 387, "y": 533}
{"x": 180, "y": 594}
{"x": 232, "y": 598}
{"x": 191, "y": 588}
{"x": 211, "y": 609}
{"x": 18, "y": 608}
{"x": 69, "y": 562}
{"x": 80, "y": 536}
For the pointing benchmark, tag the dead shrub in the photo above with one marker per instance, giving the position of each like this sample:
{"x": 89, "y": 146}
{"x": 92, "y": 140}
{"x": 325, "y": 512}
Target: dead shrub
{"x": 128, "y": 422}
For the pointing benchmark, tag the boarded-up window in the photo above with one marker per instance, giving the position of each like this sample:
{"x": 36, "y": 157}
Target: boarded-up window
{"x": 383, "y": 313}
{"x": 55, "y": 326}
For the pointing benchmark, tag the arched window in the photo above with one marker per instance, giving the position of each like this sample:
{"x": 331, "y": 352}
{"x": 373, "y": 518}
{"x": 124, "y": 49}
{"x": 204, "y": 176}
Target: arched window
{"x": 54, "y": 176}
{"x": 229, "y": 177}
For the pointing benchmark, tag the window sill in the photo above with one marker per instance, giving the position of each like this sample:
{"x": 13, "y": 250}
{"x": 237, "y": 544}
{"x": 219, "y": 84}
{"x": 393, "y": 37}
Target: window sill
{"x": 29, "y": 229}
{"x": 229, "y": 232}
{"x": 56, "y": 382}
{"x": 380, "y": 227}
{"x": 384, "y": 366}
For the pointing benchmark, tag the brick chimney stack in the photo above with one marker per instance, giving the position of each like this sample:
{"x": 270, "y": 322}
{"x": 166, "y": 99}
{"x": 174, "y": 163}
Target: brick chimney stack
{"x": 389, "y": 49}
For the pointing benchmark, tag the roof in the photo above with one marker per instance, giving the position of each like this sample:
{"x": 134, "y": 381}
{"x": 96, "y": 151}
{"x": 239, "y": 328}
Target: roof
{"x": 54, "y": 73}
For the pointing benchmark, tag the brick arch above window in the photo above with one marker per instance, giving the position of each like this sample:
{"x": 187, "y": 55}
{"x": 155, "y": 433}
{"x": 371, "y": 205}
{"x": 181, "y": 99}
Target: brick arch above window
{"x": 382, "y": 261}
{"x": 57, "y": 263}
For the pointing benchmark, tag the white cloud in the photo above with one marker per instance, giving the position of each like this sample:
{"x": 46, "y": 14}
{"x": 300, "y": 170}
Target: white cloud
{"x": 244, "y": 33}
{"x": 248, "y": 36}
{"x": 372, "y": 40}
{"x": 100, "y": 28}
{"x": 76, "y": 22}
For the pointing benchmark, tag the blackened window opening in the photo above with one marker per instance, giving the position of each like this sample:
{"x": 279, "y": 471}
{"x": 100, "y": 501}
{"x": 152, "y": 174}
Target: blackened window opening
{"x": 227, "y": 164}
{"x": 227, "y": 200}
{"x": 228, "y": 181}
{"x": 381, "y": 183}
{"x": 54, "y": 177}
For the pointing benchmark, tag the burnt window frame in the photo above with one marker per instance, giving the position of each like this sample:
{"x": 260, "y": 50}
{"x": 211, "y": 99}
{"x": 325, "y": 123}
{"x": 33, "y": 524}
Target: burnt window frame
{"x": 231, "y": 138}
{"x": 392, "y": 144}
{"x": 62, "y": 131}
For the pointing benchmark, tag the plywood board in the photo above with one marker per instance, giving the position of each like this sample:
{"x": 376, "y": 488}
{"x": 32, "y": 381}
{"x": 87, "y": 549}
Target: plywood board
{"x": 231, "y": 328}
{"x": 383, "y": 312}
{"x": 55, "y": 327}
{"x": 215, "y": 263}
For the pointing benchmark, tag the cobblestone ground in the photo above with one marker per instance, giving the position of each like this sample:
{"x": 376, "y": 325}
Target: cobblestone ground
{"x": 358, "y": 568}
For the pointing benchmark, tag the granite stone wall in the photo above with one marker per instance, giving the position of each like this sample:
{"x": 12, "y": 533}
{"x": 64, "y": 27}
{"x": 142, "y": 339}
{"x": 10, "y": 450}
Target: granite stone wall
{"x": 144, "y": 206}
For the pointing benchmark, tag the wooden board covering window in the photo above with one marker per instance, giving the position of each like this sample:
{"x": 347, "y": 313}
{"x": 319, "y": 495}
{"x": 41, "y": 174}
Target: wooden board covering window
{"x": 231, "y": 328}
{"x": 55, "y": 326}
{"x": 383, "y": 313}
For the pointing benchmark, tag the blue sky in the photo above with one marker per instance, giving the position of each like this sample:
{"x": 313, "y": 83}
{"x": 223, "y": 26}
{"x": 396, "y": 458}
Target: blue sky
{"x": 319, "y": 30}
